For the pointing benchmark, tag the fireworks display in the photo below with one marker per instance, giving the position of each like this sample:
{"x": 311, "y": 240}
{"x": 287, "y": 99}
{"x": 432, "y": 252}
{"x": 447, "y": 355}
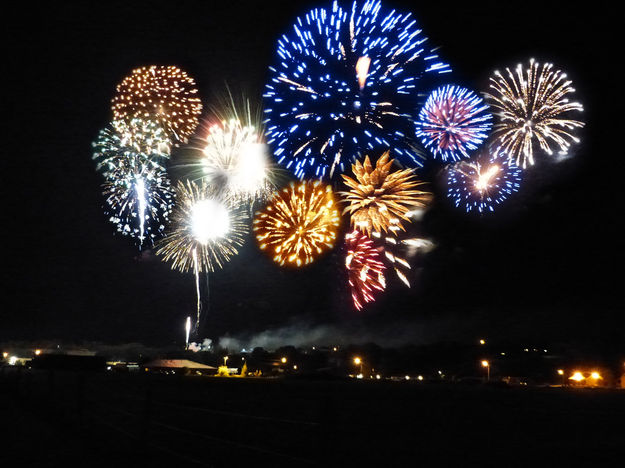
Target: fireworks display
{"x": 207, "y": 230}
{"x": 235, "y": 161}
{"x": 398, "y": 249}
{"x": 346, "y": 82}
{"x": 365, "y": 269}
{"x": 299, "y": 223}
{"x": 453, "y": 122}
{"x": 164, "y": 94}
{"x": 137, "y": 191}
{"x": 533, "y": 107}
{"x": 483, "y": 183}
{"x": 379, "y": 199}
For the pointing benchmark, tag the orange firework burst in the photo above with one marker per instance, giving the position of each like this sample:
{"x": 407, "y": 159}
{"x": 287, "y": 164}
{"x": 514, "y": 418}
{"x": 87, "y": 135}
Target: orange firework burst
{"x": 365, "y": 269}
{"x": 299, "y": 223}
{"x": 166, "y": 94}
{"x": 379, "y": 199}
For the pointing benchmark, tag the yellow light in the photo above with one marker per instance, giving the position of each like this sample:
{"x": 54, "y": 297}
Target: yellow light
{"x": 362, "y": 70}
{"x": 299, "y": 223}
{"x": 560, "y": 372}
{"x": 577, "y": 376}
{"x": 37, "y": 352}
{"x": 485, "y": 363}
{"x": 596, "y": 375}
{"x": 5, "y": 355}
{"x": 420, "y": 377}
{"x": 295, "y": 367}
{"x": 283, "y": 360}
{"x": 357, "y": 361}
{"x": 482, "y": 342}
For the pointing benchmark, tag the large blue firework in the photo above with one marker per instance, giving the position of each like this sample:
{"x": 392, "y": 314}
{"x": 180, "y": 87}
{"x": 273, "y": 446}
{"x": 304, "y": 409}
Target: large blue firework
{"x": 136, "y": 188}
{"x": 346, "y": 83}
{"x": 484, "y": 182}
{"x": 453, "y": 122}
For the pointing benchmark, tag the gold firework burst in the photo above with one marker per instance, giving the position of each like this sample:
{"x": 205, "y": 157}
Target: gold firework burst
{"x": 299, "y": 223}
{"x": 379, "y": 199}
{"x": 166, "y": 94}
{"x": 207, "y": 230}
{"x": 533, "y": 105}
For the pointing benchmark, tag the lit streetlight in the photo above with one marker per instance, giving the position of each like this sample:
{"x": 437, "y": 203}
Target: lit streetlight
{"x": 486, "y": 364}
{"x": 37, "y": 352}
{"x": 358, "y": 362}
{"x": 283, "y": 360}
{"x": 225, "y": 360}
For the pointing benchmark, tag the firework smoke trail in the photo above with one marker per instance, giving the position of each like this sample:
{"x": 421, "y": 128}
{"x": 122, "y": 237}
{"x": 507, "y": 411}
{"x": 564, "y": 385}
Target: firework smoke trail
{"x": 484, "y": 182}
{"x": 533, "y": 106}
{"x": 345, "y": 83}
{"x": 453, "y": 122}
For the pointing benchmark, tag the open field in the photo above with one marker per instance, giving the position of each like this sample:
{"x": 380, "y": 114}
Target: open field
{"x": 106, "y": 419}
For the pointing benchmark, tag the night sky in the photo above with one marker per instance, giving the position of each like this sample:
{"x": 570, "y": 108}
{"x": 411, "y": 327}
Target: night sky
{"x": 546, "y": 267}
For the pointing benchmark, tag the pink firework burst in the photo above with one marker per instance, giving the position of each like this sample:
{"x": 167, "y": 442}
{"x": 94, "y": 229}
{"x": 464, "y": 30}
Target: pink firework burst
{"x": 365, "y": 270}
{"x": 453, "y": 122}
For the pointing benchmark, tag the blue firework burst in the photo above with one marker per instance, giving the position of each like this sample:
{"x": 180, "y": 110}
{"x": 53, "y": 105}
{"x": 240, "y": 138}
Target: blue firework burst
{"x": 346, "y": 83}
{"x": 484, "y": 182}
{"x": 453, "y": 122}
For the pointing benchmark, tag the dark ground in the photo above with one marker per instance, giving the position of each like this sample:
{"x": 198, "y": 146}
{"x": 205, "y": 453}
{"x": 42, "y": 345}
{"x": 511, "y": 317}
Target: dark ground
{"x": 93, "y": 420}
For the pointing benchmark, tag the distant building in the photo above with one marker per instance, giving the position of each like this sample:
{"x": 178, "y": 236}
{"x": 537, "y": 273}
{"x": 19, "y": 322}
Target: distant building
{"x": 183, "y": 366}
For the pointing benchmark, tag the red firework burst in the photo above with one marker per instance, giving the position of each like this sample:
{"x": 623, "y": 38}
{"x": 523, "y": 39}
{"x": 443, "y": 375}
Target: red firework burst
{"x": 365, "y": 270}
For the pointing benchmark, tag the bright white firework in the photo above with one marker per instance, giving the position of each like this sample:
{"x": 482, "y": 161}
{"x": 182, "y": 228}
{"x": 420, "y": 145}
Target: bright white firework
{"x": 533, "y": 105}
{"x": 207, "y": 230}
{"x": 235, "y": 161}
{"x": 137, "y": 191}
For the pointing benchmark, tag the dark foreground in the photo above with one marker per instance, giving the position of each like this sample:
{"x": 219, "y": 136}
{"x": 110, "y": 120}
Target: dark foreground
{"x": 105, "y": 420}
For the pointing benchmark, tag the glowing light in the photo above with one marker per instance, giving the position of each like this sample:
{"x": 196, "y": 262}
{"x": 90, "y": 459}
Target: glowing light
{"x": 482, "y": 342}
{"x": 5, "y": 355}
{"x": 362, "y": 70}
{"x": 485, "y": 364}
{"x": 577, "y": 376}
{"x": 344, "y": 84}
{"x": 37, "y": 352}
{"x": 533, "y": 107}
{"x": 365, "y": 270}
{"x": 560, "y": 371}
{"x": 596, "y": 376}
{"x": 164, "y": 94}
{"x": 379, "y": 199}
{"x": 207, "y": 231}
{"x": 235, "y": 161}
{"x": 187, "y": 329}
{"x": 484, "y": 182}
{"x": 210, "y": 220}
{"x": 12, "y": 360}
{"x": 299, "y": 223}
{"x": 138, "y": 194}
{"x": 453, "y": 122}
{"x": 357, "y": 361}
{"x": 283, "y": 360}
